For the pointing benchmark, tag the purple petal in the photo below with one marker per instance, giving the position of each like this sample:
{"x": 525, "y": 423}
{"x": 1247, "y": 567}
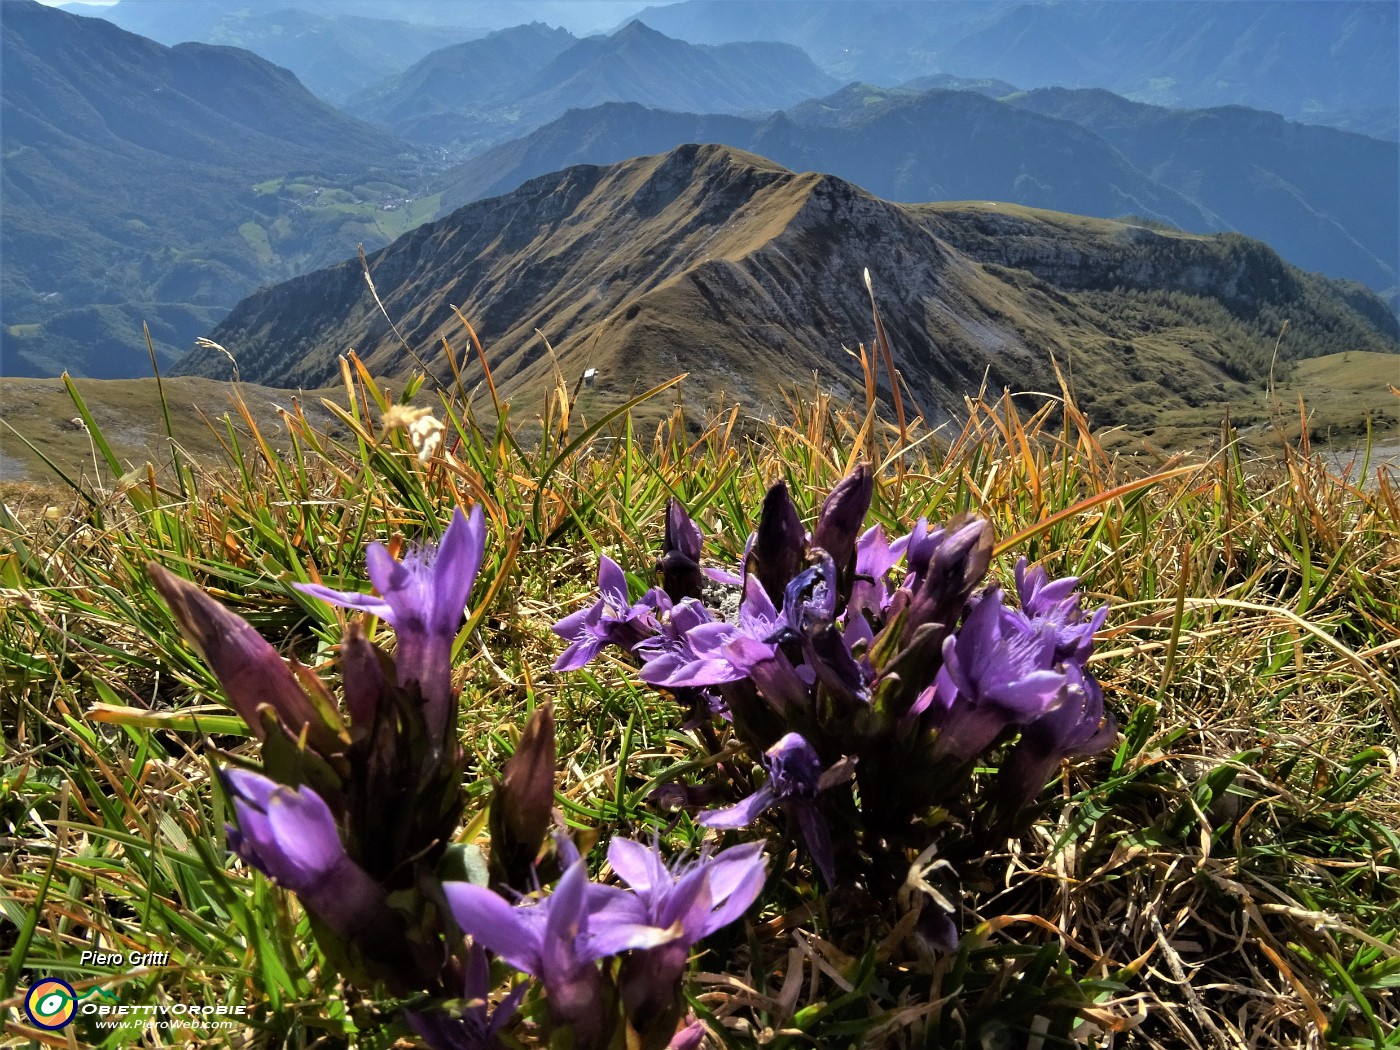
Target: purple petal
{"x": 638, "y": 865}
{"x": 741, "y": 814}
{"x": 569, "y": 627}
{"x": 489, "y": 920}
{"x": 706, "y": 639}
{"x": 1031, "y": 696}
{"x": 736, "y": 880}
{"x": 623, "y": 937}
{"x": 305, "y": 830}
{"x": 455, "y": 566}
{"x": 579, "y": 655}
{"x": 396, "y": 582}
{"x": 253, "y": 787}
{"x": 612, "y": 583}
{"x": 723, "y": 576}
{"x": 757, "y": 607}
{"x": 506, "y": 1010}
{"x": 357, "y": 600}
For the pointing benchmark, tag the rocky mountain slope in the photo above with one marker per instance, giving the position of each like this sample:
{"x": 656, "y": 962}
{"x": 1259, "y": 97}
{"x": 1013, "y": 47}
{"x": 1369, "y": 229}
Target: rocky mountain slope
{"x": 129, "y": 186}
{"x": 717, "y": 262}
{"x": 1325, "y": 199}
{"x": 510, "y": 83}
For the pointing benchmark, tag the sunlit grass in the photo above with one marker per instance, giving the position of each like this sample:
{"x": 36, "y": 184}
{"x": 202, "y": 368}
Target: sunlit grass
{"x": 1227, "y": 876}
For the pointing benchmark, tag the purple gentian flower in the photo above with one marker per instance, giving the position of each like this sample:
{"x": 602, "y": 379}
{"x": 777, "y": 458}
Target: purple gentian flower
{"x": 611, "y": 620}
{"x": 696, "y": 897}
{"x": 1079, "y": 726}
{"x": 795, "y": 777}
{"x": 290, "y": 835}
{"x": 714, "y": 652}
{"x": 842, "y": 515}
{"x": 1054, "y": 605}
{"x": 875, "y": 557}
{"x": 558, "y": 939}
{"x": 779, "y": 544}
{"x": 997, "y": 672}
{"x": 945, "y": 566}
{"x": 423, "y": 597}
{"x": 478, "y": 1024}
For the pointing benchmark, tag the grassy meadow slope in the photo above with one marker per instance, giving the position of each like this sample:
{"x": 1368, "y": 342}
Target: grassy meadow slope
{"x": 726, "y": 265}
{"x": 42, "y": 429}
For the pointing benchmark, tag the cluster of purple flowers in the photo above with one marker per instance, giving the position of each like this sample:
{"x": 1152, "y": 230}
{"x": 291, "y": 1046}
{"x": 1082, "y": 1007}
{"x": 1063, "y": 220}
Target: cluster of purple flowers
{"x": 868, "y": 676}
{"x": 355, "y": 817}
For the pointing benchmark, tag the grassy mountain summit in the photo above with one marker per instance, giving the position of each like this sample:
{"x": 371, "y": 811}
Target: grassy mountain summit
{"x": 718, "y": 262}
{"x": 130, "y": 185}
{"x": 511, "y": 82}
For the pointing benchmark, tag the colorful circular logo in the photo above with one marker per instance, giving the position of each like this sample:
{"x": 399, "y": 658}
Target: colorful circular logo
{"x": 51, "y": 1004}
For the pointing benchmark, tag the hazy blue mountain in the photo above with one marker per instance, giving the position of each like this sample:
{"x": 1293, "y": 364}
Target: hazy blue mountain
{"x": 881, "y": 41}
{"x": 456, "y": 94}
{"x": 335, "y": 54}
{"x": 942, "y": 145}
{"x": 1228, "y": 169}
{"x": 856, "y": 102}
{"x": 1295, "y": 57}
{"x": 579, "y": 16}
{"x": 1332, "y": 61}
{"x": 447, "y": 100}
{"x": 1324, "y": 198}
{"x": 129, "y": 192}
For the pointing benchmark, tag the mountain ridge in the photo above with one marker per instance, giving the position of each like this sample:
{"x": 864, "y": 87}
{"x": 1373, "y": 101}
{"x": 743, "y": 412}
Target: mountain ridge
{"x": 443, "y": 101}
{"x": 953, "y": 145}
{"x": 719, "y": 262}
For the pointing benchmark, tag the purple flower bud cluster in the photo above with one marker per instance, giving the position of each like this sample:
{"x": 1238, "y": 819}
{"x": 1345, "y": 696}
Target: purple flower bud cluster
{"x": 870, "y": 677}
{"x": 354, "y": 806}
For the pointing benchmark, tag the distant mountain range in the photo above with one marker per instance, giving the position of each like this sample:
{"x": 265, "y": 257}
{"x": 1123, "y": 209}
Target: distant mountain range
{"x": 1325, "y": 61}
{"x": 511, "y": 82}
{"x": 1324, "y": 198}
{"x": 718, "y": 262}
{"x": 128, "y": 180}
{"x": 333, "y": 53}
